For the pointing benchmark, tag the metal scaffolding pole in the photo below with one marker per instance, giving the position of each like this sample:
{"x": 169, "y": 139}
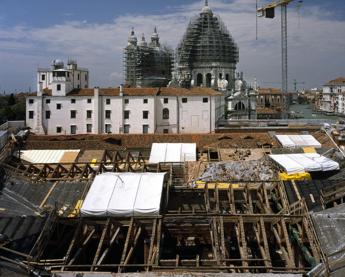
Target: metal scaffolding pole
{"x": 284, "y": 57}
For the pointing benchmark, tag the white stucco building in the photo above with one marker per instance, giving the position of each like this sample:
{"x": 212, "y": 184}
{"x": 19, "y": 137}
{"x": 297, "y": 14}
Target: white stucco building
{"x": 63, "y": 106}
{"x": 333, "y": 96}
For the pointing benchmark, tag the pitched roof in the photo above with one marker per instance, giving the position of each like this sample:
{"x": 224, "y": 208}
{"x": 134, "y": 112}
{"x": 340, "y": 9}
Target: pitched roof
{"x": 337, "y": 81}
{"x": 163, "y": 91}
{"x": 262, "y": 91}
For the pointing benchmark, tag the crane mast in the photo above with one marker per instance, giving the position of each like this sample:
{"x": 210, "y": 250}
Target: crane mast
{"x": 268, "y": 12}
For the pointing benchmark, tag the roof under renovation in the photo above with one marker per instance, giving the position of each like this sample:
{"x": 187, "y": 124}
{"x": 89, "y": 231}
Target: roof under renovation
{"x": 228, "y": 211}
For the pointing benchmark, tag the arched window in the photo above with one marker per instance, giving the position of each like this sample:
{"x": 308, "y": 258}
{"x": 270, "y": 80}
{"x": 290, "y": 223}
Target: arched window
{"x": 199, "y": 79}
{"x": 208, "y": 80}
{"x": 240, "y": 106}
{"x": 165, "y": 113}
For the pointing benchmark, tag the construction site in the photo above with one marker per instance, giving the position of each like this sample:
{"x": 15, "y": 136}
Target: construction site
{"x": 201, "y": 204}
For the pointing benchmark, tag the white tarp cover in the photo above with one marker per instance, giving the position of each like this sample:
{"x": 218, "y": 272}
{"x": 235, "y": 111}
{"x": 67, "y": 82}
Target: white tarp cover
{"x": 124, "y": 195}
{"x": 172, "y": 152}
{"x": 289, "y": 141}
{"x": 299, "y": 163}
{"x": 44, "y": 156}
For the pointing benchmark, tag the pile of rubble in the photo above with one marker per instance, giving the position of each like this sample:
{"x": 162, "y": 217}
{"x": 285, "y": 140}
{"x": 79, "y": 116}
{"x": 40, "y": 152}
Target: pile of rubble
{"x": 256, "y": 170}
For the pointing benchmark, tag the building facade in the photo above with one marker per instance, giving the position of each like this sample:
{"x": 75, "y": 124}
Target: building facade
{"x": 241, "y": 103}
{"x": 270, "y": 103}
{"x": 73, "y": 110}
{"x": 333, "y": 97}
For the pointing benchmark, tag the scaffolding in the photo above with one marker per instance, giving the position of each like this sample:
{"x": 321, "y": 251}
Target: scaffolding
{"x": 147, "y": 65}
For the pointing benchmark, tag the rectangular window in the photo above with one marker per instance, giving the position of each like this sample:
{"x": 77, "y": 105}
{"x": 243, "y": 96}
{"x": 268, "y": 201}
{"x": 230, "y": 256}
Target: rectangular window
{"x": 107, "y": 114}
{"x": 165, "y": 131}
{"x": 58, "y": 87}
{"x": 31, "y": 114}
{"x": 58, "y": 130}
{"x": 73, "y": 114}
{"x": 126, "y": 128}
{"x": 108, "y": 128}
{"x": 126, "y": 101}
{"x": 72, "y": 101}
{"x": 85, "y": 77}
{"x": 166, "y": 100}
{"x": 89, "y": 128}
{"x": 145, "y": 114}
{"x": 43, "y": 78}
{"x": 47, "y": 101}
{"x": 58, "y": 106}
{"x": 107, "y": 101}
{"x": 126, "y": 115}
{"x": 184, "y": 100}
{"x": 73, "y": 129}
{"x": 205, "y": 100}
{"x": 88, "y": 114}
{"x": 145, "y": 101}
{"x": 31, "y": 101}
{"x": 78, "y": 76}
{"x": 47, "y": 114}
{"x": 145, "y": 129}
{"x": 89, "y": 100}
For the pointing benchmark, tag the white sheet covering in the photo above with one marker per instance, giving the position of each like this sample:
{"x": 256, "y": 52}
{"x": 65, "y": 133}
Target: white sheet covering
{"x": 290, "y": 141}
{"x": 44, "y": 156}
{"x": 310, "y": 162}
{"x": 172, "y": 152}
{"x": 124, "y": 195}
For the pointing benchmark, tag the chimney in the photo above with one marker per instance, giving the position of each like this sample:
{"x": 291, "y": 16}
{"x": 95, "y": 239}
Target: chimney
{"x": 121, "y": 90}
{"x": 40, "y": 89}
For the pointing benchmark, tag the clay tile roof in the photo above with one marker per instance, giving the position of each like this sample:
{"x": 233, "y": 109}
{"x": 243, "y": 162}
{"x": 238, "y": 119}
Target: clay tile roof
{"x": 164, "y": 91}
{"x": 337, "y": 81}
{"x": 81, "y": 92}
{"x": 262, "y": 91}
{"x": 195, "y": 91}
{"x": 46, "y": 91}
{"x": 266, "y": 111}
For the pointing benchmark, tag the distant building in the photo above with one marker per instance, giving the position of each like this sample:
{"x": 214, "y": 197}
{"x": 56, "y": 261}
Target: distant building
{"x": 242, "y": 102}
{"x": 147, "y": 64}
{"x": 61, "y": 107}
{"x": 333, "y": 96}
{"x": 270, "y": 103}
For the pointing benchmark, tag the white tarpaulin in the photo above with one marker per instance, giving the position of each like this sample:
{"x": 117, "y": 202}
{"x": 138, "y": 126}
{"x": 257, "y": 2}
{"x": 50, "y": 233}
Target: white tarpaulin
{"x": 47, "y": 156}
{"x": 172, "y": 152}
{"x": 289, "y": 141}
{"x": 299, "y": 163}
{"x": 124, "y": 195}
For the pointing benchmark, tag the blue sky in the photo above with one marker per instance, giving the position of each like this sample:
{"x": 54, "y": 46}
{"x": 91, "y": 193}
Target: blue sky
{"x": 33, "y": 33}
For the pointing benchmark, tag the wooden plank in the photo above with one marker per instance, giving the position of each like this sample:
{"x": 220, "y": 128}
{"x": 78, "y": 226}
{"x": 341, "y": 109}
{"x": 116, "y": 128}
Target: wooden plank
{"x": 85, "y": 242}
{"x": 106, "y": 251}
{"x": 100, "y": 244}
{"x": 47, "y": 195}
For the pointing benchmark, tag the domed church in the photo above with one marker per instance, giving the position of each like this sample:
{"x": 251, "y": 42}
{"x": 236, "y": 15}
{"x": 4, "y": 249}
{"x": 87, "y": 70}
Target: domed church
{"x": 207, "y": 54}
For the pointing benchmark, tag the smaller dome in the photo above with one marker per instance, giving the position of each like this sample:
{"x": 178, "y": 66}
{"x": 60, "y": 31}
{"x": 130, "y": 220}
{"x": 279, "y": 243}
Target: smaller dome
{"x": 143, "y": 41}
{"x": 155, "y": 34}
{"x": 132, "y": 38}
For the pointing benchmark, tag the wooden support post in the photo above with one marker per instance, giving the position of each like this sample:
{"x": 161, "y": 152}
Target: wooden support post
{"x": 153, "y": 238}
{"x": 85, "y": 242}
{"x": 287, "y": 242}
{"x": 100, "y": 244}
{"x": 265, "y": 241}
{"x": 159, "y": 235}
{"x": 134, "y": 244}
{"x": 73, "y": 241}
{"x": 128, "y": 237}
{"x": 106, "y": 251}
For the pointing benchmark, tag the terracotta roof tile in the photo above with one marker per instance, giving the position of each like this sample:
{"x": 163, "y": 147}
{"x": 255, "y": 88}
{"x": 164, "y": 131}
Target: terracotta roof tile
{"x": 337, "y": 81}
{"x": 262, "y": 91}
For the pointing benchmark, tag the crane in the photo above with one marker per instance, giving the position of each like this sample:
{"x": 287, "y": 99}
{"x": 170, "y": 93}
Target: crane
{"x": 268, "y": 11}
